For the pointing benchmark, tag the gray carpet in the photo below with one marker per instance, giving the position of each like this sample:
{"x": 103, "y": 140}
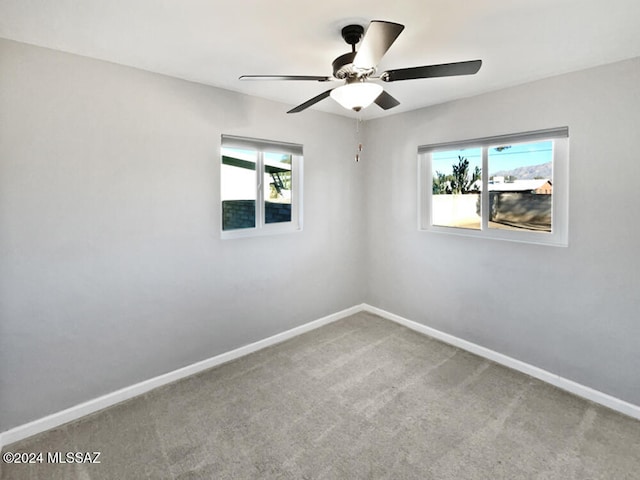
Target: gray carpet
{"x": 360, "y": 398}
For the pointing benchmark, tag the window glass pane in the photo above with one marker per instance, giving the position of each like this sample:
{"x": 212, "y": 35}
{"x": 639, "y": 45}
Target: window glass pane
{"x": 456, "y": 188}
{"x": 521, "y": 186}
{"x": 238, "y": 188}
{"x": 277, "y": 187}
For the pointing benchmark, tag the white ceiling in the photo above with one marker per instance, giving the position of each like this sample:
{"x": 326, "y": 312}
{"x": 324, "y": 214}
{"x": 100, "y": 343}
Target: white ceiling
{"x": 215, "y": 41}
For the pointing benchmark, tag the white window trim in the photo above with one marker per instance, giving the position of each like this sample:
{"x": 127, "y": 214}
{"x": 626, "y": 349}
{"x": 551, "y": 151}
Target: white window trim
{"x": 261, "y": 147}
{"x": 559, "y": 236}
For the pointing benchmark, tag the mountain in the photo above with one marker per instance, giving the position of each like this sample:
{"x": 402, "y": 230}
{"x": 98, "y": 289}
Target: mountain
{"x": 543, "y": 170}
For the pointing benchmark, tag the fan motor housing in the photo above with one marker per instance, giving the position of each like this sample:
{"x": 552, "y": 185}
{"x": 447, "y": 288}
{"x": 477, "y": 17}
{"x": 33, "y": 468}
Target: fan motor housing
{"x": 343, "y": 66}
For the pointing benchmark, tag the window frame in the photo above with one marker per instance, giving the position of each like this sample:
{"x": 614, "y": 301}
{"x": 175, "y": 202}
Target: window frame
{"x": 261, "y": 147}
{"x": 559, "y": 235}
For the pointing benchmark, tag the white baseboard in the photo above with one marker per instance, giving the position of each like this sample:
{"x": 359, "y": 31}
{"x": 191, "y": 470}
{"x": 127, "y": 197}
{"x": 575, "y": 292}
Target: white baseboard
{"x": 78, "y": 411}
{"x": 548, "y": 377}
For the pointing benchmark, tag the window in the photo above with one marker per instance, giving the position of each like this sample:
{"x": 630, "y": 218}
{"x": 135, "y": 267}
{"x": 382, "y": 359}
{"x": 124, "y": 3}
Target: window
{"x": 511, "y": 187}
{"x": 261, "y": 183}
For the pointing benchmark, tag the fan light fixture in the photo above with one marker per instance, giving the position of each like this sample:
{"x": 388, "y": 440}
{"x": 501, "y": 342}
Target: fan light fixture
{"x": 356, "y": 95}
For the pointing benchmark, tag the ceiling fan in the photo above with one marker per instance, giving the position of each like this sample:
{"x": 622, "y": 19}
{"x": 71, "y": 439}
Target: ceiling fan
{"x": 357, "y": 68}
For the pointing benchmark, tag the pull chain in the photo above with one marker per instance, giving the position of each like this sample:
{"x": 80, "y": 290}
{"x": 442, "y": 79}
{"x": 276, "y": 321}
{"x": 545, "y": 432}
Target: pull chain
{"x": 358, "y": 142}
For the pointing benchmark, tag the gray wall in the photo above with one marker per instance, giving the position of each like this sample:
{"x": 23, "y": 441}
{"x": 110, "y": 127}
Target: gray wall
{"x": 112, "y": 267}
{"x": 573, "y": 311}
{"x": 113, "y": 271}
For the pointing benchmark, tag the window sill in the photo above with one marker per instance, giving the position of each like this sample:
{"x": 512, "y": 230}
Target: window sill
{"x": 554, "y": 239}
{"x": 258, "y": 232}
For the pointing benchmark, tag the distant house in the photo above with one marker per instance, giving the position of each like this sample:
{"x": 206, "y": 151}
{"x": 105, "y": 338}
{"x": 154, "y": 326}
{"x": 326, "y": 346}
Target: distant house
{"x": 541, "y": 186}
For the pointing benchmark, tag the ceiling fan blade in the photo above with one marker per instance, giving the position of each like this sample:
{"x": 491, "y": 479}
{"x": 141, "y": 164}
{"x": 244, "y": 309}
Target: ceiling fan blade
{"x": 432, "y": 71}
{"x": 310, "y": 102}
{"x": 375, "y": 43}
{"x": 285, "y": 77}
{"x": 386, "y": 101}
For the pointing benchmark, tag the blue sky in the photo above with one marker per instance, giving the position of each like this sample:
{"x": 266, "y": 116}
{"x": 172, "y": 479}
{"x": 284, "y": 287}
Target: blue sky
{"x": 519, "y": 155}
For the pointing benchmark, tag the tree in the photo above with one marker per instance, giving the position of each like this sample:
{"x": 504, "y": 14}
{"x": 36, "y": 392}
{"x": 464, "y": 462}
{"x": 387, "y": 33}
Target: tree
{"x": 459, "y": 182}
{"x": 477, "y": 177}
{"x": 441, "y": 183}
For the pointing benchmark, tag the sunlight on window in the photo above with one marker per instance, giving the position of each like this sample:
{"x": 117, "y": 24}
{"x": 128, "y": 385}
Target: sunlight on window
{"x": 521, "y": 186}
{"x": 508, "y": 187}
{"x": 277, "y": 187}
{"x": 261, "y": 187}
{"x": 456, "y": 188}
{"x": 238, "y": 188}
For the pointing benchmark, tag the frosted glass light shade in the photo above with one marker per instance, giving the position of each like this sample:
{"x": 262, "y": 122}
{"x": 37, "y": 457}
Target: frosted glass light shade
{"x": 357, "y": 95}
